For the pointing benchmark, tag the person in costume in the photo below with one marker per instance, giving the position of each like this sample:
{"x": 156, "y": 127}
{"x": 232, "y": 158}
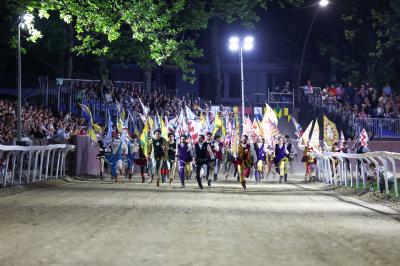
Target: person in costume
{"x": 171, "y": 156}
{"x": 117, "y": 157}
{"x": 184, "y": 154}
{"x": 203, "y": 155}
{"x": 157, "y": 152}
{"x": 211, "y": 158}
{"x": 259, "y": 159}
{"x": 292, "y": 153}
{"x": 245, "y": 160}
{"x": 269, "y": 161}
{"x": 308, "y": 158}
{"x": 218, "y": 149}
{"x": 139, "y": 158}
{"x": 281, "y": 160}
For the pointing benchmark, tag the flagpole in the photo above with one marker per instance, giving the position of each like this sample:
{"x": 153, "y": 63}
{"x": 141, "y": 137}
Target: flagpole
{"x": 242, "y": 83}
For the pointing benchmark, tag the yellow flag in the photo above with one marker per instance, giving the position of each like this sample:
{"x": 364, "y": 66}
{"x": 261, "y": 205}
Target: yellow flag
{"x": 289, "y": 118}
{"x": 164, "y": 129}
{"x": 144, "y": 138}
{"x": 217, "y": 124}
{"x": 285, "y": 111}
{"x": 331, "y": 134}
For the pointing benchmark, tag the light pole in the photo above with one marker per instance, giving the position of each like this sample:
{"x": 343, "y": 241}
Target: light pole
{"x": 322, "y": 4}
{"x": 22, "y": 22}
{"x": 246, "y": 44}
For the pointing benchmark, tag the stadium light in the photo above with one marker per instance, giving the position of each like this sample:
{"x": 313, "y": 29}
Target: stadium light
{"x": 23, "y": 21}
{"x": 323, "y": 3}
{"x": 235, "y": 44}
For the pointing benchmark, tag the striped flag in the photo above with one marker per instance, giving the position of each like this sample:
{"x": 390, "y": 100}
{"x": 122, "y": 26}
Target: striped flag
{"x": 364, "y": 138}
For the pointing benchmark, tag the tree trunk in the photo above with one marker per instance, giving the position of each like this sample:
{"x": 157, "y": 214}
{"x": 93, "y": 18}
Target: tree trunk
{"x": 147, "y": 79}
{"x": 70, "y": 65}
{"x": 216, "y": 87}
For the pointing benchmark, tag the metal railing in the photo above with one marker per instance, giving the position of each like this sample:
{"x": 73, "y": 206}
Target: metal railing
{"x": 281, "y": 99}
{"x": 352, "y": 169}
{"x": 22, "y": 165}
{"x": 380, "y": 127}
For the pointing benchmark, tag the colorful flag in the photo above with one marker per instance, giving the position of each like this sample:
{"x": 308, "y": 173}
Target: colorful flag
{"x": 364, "y": 138}
{"x": 92, "y": 128}
{"x": 144, "y": 138}
{"x": 331, "y": 134}
{"x": 164, "y": 129}
{"x": 217, "y": 124}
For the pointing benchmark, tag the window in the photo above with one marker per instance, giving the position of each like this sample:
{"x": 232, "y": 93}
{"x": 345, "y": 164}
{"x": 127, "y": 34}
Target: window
{"x": 234, "y": 85}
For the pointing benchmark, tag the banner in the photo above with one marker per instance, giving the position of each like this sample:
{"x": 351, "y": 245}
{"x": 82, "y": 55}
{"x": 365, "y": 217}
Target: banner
{"x": 331, "y": 134}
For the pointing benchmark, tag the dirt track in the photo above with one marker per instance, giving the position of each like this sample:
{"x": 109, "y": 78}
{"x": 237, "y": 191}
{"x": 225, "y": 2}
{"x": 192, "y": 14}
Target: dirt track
{"x": 99, "y": 223}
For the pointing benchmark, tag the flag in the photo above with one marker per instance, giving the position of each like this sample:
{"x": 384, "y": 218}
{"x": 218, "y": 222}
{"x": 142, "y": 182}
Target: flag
{"x": 247, "y": 127}
{"x": 342, "y": 140}
{"x": 289, "y": 118}
{"x": 145, "y": 108}
{"x": 92, "y": 128}
{"x": 108, "y": 137}
{"x": 306, "y": 135}
{"x": 172, "y": 125}
{"x": 331, "y": 134}
{"x": 297, "y": 128}
{"x": 258, "y": 113}
{"x": 270, "y": 114}
{"x": 364, "y": 138}
{"x": 189, "y": 114}
{"x": 217, "y": 124}
{"x": 144, "y": 138}
{"x": 164, "y": 129}
{"x": 315, "y": 137}
{"x": 194, "y": 129}
{"x": 285, "y": 111}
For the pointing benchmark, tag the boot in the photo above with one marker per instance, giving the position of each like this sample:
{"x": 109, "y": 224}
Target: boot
{"x": 130, "y": 177}
{"x": 244, "y": 184}
{"x": 285, "y": 177}
{"x": 151, "y": 179}
{"x": 142, "y": 177}
{"x": 209, "y": 183}
{"x": 215, "y": 177}
{"x": 280, "y": 179}
{"x": 158, "y": 182}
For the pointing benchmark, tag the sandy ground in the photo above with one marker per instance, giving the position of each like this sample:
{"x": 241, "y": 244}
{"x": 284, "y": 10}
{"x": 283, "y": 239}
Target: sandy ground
{"x": 96, "y": 222}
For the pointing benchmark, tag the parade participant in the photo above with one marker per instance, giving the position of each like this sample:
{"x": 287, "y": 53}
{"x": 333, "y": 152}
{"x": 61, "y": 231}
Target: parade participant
{"x": 211, "y": 162}
{"x": 184, "y": 153}
{"x": 203, "y": 152}
{"x": 292, "y": 153}
{"x": 245, "y": 160}
{"x": 308, "y": 159}
{"x": 117, "y": 157}
{"x": 218, "y": 149}
{"x": 171, "y": 156}
{"x": 281, "y": 159}
{"x": 259, "y": 159}
{"x": 270, "y": 161}
{"x": 139, "y": 157}
{"x": 157, "y": 152}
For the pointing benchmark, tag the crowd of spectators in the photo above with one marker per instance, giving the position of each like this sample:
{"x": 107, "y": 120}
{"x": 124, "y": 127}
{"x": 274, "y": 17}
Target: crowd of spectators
{"x": 345, "y": 103}
{"x": 128, "y": 94}
{"x": 362, "y": 101}
{"x": 38, "y": 123}
{"x": 42, "y": 123}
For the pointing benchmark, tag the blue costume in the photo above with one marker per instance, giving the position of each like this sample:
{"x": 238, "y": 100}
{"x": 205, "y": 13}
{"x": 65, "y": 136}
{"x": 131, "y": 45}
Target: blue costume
{"x": 260, "y": 158}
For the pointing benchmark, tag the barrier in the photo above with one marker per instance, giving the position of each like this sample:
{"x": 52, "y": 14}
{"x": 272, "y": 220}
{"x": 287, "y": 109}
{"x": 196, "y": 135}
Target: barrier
{"x": 22, "y": 165}
{"x": 352, "y": 169}
{"x": 380, "y": 127}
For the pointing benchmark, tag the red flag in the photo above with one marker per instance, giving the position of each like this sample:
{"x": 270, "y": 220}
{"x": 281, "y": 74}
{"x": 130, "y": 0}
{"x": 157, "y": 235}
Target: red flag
{"x": 364, "y": 138}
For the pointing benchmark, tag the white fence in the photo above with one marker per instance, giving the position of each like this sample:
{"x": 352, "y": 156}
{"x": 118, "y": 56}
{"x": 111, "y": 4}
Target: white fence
{"x": 352, "y": 169}
{"x": 21, "y": 165}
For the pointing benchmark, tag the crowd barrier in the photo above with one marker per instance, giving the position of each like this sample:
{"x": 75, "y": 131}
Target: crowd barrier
{"x": 353, "y": 169}
{"x": 22, "y": 165}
